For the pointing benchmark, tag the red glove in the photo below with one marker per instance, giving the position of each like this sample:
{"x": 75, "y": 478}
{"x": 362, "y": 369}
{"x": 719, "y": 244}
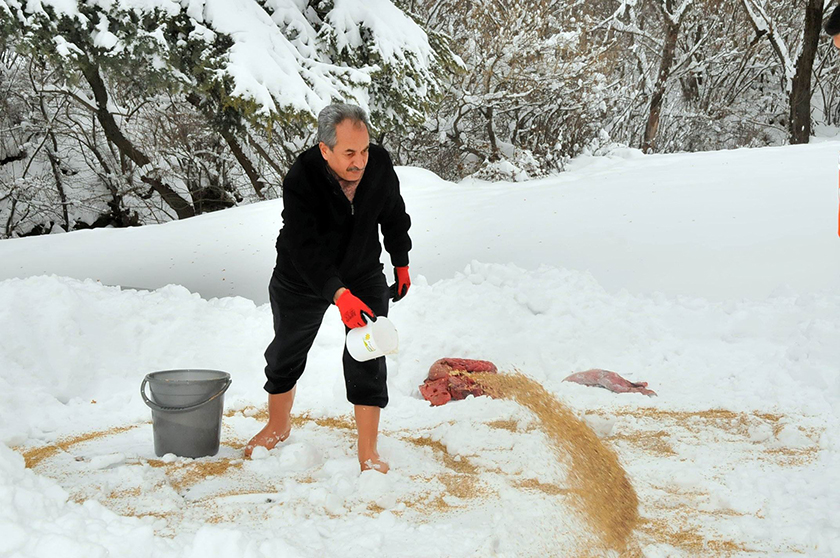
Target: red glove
{"x": 403, "y": 282}
{"x": 353, "y": 310}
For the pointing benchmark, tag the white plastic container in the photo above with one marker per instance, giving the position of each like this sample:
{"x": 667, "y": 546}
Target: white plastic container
{"x": 377, "y": 338}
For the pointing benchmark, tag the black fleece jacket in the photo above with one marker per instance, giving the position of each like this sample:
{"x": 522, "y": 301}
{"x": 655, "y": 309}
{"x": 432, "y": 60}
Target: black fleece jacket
{"x": 326, "y": 242}
{"x": 832, "y": 24}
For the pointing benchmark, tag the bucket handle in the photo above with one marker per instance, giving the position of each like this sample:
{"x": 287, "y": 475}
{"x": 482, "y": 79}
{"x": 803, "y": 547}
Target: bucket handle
{"x": 155, "y": 407}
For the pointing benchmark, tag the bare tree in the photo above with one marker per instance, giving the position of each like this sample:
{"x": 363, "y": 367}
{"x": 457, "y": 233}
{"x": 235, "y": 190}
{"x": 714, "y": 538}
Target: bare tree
{"x": 797, "y": 69}
{"x": 673, "y": 16}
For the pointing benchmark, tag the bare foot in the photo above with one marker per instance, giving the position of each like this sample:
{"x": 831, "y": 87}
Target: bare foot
{"x": 279, "y": 422}
{"x": 367, "y": 423}
{"x": 375, "y": 464}
{"x": 268, "y": 437}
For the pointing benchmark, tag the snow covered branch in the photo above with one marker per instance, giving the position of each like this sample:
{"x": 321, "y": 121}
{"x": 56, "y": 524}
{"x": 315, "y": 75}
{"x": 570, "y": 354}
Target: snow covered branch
{"x": 763, "y": 25}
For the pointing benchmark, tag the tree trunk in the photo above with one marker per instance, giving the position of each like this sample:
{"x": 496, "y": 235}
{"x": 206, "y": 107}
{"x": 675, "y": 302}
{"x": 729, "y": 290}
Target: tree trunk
{"x": 265, "y": 156}
{"x": 112, "y": 131}
{"x": 235, "y": 148}
{"x": 118, "y": 216}
{"x": 800, "y": 92}
{"x": 245, "y": 162}
{"x": 59, "y": 184}
{"x": 55, "y": 164}
{"x": 669, "y": 48}
{"x": 491, "y": 136}
{"x": 11, "y": 217}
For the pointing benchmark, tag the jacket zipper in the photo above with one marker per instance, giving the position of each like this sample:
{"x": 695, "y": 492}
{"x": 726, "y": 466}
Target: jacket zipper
{"x": 352, "y": 209}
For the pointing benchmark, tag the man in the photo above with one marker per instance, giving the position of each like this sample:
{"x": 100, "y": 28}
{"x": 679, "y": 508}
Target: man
{"x": 335, "y": 197}
{"x": 832, "y": 26}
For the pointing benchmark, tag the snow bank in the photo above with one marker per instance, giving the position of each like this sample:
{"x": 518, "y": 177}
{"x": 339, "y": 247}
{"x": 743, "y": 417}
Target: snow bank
{"x": 725, "y": 225}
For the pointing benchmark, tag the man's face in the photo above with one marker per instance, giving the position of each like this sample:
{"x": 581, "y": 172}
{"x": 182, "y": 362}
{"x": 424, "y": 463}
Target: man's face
{"x": 349, "y": 157}
{"x": 836, "y": 40}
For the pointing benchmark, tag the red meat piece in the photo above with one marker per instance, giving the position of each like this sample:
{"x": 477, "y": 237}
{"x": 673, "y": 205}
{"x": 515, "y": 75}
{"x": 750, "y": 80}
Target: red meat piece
{"x": 609, "y": 380}
{"x": 446, "y": 380}
{"x": 462, "y": 386}
{"x": 436, "y": 391}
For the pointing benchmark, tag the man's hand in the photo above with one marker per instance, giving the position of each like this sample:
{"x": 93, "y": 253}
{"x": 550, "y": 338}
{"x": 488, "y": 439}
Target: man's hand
{"x": 352, "y": 309}
{"x": 403, "y": 282}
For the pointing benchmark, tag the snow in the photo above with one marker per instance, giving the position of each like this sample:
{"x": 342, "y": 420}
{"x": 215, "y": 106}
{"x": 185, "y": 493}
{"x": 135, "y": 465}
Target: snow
{"x": 713, "y": 276}
{"x": 65, "y": 48}
{"x": 395, "y": 33}
{"x": 61, "y": 6}
{"x": 102, "y": 37}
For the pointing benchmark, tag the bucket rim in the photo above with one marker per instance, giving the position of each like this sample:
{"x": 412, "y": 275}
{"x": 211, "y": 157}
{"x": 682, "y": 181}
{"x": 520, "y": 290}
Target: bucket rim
{"x": 155, "y": 376}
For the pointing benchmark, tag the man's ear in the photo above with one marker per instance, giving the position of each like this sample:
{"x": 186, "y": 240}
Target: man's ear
{"x": 324, "y": 149}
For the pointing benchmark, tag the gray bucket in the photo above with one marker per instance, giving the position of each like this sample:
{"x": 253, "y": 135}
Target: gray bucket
{"x": 187, "y": 408}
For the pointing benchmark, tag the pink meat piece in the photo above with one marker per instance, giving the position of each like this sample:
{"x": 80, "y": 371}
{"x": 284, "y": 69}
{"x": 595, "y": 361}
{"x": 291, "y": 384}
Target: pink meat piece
{"x": 446, "y": 381}
{"x": 609, "y": 380}
{"x": 435, "y": 391}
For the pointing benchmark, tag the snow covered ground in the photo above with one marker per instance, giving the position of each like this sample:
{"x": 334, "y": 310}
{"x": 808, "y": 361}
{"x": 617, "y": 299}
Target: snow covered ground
{"x": 715, "y": 277}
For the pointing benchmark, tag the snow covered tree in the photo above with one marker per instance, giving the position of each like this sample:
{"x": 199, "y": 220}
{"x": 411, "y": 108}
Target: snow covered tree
{"x": 530, "y": 90}
{"x": 125, "y": 112}
{"x": 195, "y": 100}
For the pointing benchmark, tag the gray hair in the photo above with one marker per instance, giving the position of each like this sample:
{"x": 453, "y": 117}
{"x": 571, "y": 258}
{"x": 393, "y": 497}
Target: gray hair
{"x": 333, "y": 115}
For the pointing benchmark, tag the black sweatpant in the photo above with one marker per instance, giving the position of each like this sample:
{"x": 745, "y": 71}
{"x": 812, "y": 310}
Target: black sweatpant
{"x": 298, "y": 313}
